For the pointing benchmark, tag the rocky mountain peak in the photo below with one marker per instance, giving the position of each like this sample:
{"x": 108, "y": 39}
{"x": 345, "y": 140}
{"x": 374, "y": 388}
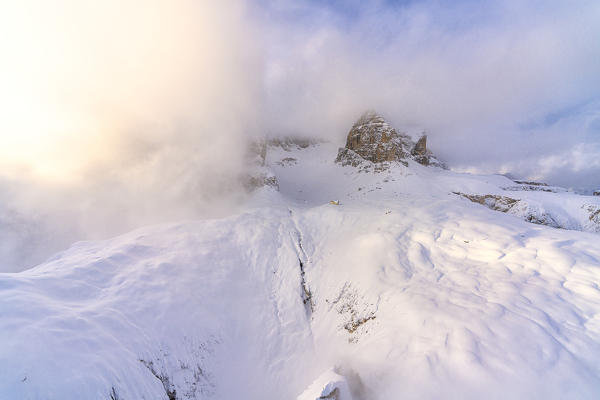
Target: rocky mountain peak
{"x": 373, "y": 140}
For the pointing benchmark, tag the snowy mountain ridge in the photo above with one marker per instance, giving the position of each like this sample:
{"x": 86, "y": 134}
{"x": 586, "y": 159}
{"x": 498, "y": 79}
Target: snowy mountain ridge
{"x": 403, "y": 290}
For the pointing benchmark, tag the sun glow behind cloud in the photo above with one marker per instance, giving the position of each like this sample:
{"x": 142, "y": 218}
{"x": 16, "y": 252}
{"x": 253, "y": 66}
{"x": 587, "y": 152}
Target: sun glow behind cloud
{"x": 118, "y": 114}
{"x": 39, "y": 73}
{"x": 81, "y": 79}
{"x": 77, "y": 76}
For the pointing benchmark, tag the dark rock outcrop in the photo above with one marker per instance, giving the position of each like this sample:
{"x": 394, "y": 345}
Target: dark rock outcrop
{"x": 257, "y": 174}
{"x": 259, "y": 180}
{"x": 421, "y": 146}
{"x": 373, "y": 140}
{"x": 531, "y": 186}
{"x": 420, "y": 152}
{"x": 289, "y": 143}
{"x": 596, "y": 193}
{"x": 593, "y": 223}
{"x": 516, "y": 207}
{"x": 491, "y": 201}
{"x": 536, "y": 214}
{"x": 531, "y": 183}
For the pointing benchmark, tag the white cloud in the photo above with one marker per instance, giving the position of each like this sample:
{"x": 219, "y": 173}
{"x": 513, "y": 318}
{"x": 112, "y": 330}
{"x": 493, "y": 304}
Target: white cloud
{"x": 115, "y": 114}
{"x": 473, "y": 73}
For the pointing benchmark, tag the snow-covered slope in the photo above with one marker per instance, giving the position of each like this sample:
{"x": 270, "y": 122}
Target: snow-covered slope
{"x": 404, "y": 290}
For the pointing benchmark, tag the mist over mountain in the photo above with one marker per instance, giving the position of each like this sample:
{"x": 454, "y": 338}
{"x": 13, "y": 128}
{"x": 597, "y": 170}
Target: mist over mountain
{"x": 279, "y": 199}
{"x": 353, "y": 272}
{"x": 158, "y": 109}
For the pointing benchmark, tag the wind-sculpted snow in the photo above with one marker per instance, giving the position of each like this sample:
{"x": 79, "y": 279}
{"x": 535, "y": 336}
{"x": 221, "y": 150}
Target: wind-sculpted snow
{"x": 210, "y": 307}
{"x": 464, "y": 307}
{"x": 403, "y": 290}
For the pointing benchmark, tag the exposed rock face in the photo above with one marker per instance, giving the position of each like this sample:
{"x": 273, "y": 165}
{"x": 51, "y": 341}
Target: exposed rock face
{"x": 536, "y": 214}
{"x": 253, "y": 182}
{"x": 531, "y": 183}
{"x": 494, "y": 202}
{"x": 290, "y": 143}
{"x": 373, "y": 140}
{"x": 421, "y": 146}
{"x": 531, "y": 186}
{"x": 329, "y": 386}
{"x": 593, "y": 224}
{"x": 596, "y": 193}
{"x": 517, "y": 207}
{"x": 420, "y": 152}
{"x": 286, "y": 161}
{"x": 256, "y": 152}
{"x": 257, "y": 174}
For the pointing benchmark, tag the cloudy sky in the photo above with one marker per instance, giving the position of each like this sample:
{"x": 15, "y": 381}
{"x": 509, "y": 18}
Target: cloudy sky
{"x": 119, "y": 113}
{"x": 502, "y": 86}
{"x": 509, "y": 86}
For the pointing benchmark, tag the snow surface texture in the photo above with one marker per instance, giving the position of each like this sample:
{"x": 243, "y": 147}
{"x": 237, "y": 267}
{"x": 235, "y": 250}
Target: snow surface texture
{"x": 403, "y": 290}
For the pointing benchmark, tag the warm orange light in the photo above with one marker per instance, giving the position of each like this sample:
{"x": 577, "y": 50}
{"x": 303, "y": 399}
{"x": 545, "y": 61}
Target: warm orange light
{"x": 78, "y": 75}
